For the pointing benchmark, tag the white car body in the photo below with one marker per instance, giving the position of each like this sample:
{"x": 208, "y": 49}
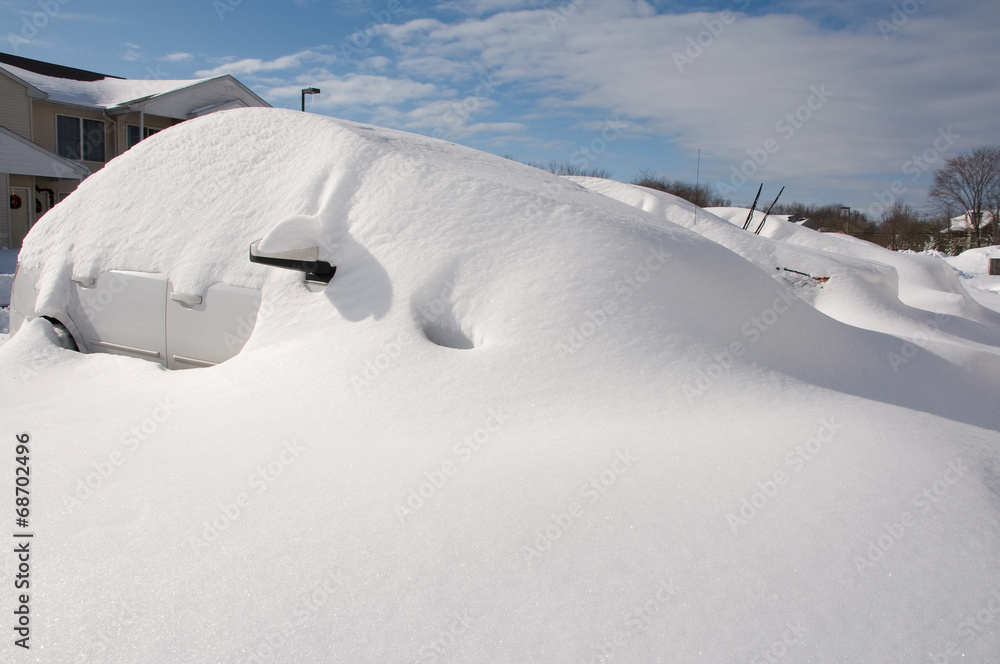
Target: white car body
{"x": 139, "y": 314}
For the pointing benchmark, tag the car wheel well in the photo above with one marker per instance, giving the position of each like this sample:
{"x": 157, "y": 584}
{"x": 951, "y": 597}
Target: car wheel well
{"x": 66, "y": 339}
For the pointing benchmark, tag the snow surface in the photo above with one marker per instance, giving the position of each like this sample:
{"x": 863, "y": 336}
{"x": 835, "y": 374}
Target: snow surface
{"x": 103, "y": 93}
{"x": 974, "y": 266}
{"x": 524, "y": 422}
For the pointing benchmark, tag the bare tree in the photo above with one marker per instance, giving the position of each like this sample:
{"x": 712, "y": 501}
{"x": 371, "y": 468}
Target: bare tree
{"x": 903, "y": 229}
{"x": 702, "y": 195}
{"x": 970, "y": 181}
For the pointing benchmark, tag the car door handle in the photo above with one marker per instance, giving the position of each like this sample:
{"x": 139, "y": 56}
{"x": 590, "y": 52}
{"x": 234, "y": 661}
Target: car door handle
{"x": 185, "y": 299}
{"x": 84, "y": 281}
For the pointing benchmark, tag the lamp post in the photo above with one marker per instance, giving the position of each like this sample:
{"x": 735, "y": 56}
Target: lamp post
{"x": 308, "y": 91}
{"x": 845, "y": 207}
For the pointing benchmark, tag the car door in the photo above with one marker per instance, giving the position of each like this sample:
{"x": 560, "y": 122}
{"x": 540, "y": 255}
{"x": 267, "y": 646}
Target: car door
{"x": 206, "y": 329}
{"x": 121, "y": 312}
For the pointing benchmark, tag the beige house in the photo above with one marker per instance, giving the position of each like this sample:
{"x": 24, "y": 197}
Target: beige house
{"x": 59, "y": 124}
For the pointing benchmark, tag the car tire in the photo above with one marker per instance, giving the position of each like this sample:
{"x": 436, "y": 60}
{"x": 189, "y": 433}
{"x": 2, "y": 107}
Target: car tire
{"x": 65, "y": 339}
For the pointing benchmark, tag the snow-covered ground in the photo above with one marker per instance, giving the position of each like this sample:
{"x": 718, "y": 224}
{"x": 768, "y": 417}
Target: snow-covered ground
{"x": 974, "y": 268}
{"x": 530, "y": 419}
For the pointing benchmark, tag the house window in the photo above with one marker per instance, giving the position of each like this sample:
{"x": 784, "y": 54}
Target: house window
{"x": 81, "y": 139}
{"x": 132, "y": 134}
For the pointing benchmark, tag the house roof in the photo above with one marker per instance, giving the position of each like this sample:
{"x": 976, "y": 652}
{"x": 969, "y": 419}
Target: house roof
{"x": 19, "y": 156}
{"x": 177, "y": 99}
{"x": 963, "y": 221}
{"x": 49, "y": 69}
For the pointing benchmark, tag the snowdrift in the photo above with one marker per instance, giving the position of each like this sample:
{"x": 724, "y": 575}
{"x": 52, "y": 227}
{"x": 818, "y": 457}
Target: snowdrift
{"x": 524, "y": 422}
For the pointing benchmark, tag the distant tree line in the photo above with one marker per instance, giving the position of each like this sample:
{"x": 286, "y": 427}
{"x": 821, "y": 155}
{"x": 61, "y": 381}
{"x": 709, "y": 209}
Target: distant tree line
{"x": 967, "y": 184}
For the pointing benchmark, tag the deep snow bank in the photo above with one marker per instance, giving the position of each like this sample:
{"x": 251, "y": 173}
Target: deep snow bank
{"x": 916, "y": 296}
{"x": 524, "y": 422}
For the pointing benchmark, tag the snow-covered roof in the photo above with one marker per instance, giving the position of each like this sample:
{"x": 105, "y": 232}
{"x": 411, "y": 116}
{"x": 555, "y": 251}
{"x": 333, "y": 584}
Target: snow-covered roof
{"x": 105, "y": 93}
{"x": 148, "y": 95}
{"x": 963, "y": 221}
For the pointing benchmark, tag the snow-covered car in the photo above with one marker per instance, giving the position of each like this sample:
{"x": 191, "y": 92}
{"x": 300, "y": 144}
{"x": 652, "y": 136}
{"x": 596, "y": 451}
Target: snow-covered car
{"x": 144, "y": 314}
{"x": 528, "y": 420}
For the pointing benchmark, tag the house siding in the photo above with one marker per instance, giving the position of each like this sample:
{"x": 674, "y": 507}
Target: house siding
{"x": 15, "y": 115}
{"x": 150, "y": 121}
{"x": 15, "y": 107}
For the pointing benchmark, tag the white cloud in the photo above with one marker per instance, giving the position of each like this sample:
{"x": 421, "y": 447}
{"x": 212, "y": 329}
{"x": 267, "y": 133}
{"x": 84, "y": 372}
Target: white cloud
{"x": 377, "y": 62}
{"x": 250, "y": 66}
{"x": 133, "y": 52}
{"x": 178, "y": 57}
{"x": 481, "y": 7}
{"x": 356, "y": 90}
{"x": 737, "y": 88}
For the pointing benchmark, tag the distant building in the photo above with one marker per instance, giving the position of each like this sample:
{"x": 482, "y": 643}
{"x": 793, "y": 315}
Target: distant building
{"x": 963, "y": 222}
{"x": 59, "y": 124}
{"x": 962, "y": 225}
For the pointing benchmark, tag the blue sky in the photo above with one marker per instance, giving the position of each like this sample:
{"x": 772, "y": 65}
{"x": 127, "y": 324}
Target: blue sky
{"x": 835, "y": 101}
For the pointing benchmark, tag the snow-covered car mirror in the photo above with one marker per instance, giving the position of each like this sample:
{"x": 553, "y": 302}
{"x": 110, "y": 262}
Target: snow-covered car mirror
{"x": 305, "y": 260}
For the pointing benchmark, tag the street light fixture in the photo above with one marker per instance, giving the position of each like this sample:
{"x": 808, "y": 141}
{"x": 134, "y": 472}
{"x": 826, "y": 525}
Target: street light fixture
{"x": 308, "y": 91}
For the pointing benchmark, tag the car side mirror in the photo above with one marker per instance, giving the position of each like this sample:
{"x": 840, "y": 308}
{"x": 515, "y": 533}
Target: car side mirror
{"x": 304, "y": 260}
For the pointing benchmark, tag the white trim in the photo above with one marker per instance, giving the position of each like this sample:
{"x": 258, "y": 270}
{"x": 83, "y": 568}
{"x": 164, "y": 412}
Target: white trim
{"x": 30, "y": 89}
{"x": 74, "y": 170}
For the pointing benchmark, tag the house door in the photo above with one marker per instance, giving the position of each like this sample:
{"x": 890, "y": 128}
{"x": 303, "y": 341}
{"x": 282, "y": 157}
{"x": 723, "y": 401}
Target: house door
{"x": 20, "y": 217}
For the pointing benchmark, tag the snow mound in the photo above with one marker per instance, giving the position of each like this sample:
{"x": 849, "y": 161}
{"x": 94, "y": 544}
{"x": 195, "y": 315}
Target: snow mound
{"x": 911, "y": 295}
{"x": 524, "y": 422}
{"x": 974, "y": 267}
